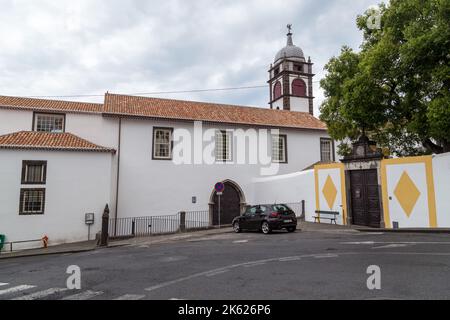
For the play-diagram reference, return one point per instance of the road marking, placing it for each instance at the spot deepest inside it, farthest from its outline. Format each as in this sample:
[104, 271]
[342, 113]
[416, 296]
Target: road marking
[84, 295]
[201, 274]
[398, 245]
[131, 297]
[395, 242]
[254, 264]
[240, 241]
[289, 259]
[325, 256]
[212, 274]
[41, 294]
[16, 289]
[360, 242]
[2, 284]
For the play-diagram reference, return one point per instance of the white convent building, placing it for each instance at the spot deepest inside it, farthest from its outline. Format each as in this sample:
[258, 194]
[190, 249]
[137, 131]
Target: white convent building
[61, 160]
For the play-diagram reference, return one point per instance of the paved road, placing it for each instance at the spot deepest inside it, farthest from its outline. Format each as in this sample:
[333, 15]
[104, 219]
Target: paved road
[326, 264]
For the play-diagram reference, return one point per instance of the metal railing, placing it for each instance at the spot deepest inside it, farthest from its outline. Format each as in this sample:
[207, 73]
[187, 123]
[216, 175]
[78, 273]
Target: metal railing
[298, 208]
[10, 244]
[197, 220]
[158, 225]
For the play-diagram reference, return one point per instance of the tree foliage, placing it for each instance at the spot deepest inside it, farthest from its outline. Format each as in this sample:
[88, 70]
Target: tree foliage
[396, 88]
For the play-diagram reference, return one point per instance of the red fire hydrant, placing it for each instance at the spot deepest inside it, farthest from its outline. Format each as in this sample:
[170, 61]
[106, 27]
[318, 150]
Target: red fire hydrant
[45, 241]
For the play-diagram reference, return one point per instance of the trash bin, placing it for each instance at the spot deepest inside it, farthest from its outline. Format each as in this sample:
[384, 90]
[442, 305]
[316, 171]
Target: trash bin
[2, 241]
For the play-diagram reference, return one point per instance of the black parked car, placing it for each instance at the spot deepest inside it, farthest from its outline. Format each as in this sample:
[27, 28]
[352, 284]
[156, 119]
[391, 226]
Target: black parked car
[265, 218]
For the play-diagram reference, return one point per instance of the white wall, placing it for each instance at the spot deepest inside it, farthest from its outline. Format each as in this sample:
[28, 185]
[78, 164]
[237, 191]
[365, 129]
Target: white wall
[441, 173]
[90, 126]
[15, 120]
[289, 188]
[77, 183]
[157, 187]
[299, 104]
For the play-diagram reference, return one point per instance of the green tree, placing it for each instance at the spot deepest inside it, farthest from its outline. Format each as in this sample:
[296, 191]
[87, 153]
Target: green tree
[396, 89]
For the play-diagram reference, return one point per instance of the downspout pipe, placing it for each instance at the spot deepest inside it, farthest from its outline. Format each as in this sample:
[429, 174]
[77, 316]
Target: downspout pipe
[116, 214]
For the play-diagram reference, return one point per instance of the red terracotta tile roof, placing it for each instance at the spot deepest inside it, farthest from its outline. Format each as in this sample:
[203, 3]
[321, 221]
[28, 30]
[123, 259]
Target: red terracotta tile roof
[49, 105]
[48, 141]
[218, 113]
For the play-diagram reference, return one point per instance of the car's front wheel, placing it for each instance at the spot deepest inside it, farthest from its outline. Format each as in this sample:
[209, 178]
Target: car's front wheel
[237, 227]
[291, 229]
[266, 228]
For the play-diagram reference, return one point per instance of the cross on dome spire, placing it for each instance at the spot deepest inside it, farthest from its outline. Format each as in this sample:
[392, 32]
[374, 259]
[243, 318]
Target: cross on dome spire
[289, 35]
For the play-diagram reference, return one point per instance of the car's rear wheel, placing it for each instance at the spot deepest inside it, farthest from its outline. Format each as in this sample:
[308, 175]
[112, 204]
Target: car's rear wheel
[291, 229]
[237, 227]
[265, 228]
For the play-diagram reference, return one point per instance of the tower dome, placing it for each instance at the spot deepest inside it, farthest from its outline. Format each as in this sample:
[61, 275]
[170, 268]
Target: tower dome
[291, 79]
[290, 51]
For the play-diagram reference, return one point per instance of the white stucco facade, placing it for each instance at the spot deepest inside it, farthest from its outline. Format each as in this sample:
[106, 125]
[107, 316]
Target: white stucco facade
[441, 174]
[155, 187]
[147, 187]
[77, 183]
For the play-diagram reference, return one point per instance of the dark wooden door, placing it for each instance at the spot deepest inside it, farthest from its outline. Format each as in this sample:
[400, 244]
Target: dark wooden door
[365, 198]
[230, 206]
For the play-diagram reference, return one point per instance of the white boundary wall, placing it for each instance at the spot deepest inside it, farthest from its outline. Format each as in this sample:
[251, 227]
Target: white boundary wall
[289, 188]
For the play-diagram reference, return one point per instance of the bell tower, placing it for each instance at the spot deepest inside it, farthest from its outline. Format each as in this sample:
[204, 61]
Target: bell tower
[291, 79]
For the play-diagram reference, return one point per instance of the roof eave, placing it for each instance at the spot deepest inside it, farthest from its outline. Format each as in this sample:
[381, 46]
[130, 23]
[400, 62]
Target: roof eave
[137, 116]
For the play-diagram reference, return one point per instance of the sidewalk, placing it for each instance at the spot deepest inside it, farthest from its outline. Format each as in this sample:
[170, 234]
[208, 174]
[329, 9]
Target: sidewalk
[92, 245]
[63, 248]
[169, 238]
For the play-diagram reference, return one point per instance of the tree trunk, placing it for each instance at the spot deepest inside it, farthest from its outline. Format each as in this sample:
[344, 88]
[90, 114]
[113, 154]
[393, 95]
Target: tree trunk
[446, 146]
[431, 146]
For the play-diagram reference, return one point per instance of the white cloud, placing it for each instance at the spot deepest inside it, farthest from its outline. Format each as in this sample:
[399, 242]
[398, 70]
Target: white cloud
[66, 47]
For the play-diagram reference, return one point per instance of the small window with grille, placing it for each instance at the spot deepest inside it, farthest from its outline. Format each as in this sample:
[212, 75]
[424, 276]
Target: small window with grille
[326, 150]
[48, 122]
[279, 148]
[162, 143]
[223, 146]
[34, 172]
[32, 201]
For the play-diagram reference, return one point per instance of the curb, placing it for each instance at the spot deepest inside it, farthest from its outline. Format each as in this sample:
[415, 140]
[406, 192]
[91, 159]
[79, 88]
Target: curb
[35, 254]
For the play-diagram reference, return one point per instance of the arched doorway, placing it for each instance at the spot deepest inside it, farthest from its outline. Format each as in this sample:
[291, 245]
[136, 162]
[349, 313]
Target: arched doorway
[232, 203]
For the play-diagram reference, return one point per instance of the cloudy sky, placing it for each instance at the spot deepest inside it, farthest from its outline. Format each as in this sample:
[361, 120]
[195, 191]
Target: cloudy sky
[66, 47]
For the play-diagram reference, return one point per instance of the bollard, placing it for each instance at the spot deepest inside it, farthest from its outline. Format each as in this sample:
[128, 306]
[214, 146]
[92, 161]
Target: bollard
[303, 210]
[105, 225]
[183, 221]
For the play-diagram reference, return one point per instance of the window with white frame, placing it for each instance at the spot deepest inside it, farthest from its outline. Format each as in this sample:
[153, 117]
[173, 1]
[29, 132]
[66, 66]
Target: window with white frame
[279, 148]
[34, 172]
[162, 143]
[32, 201]
[47, 122]
[326, 150]
[223, 145]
